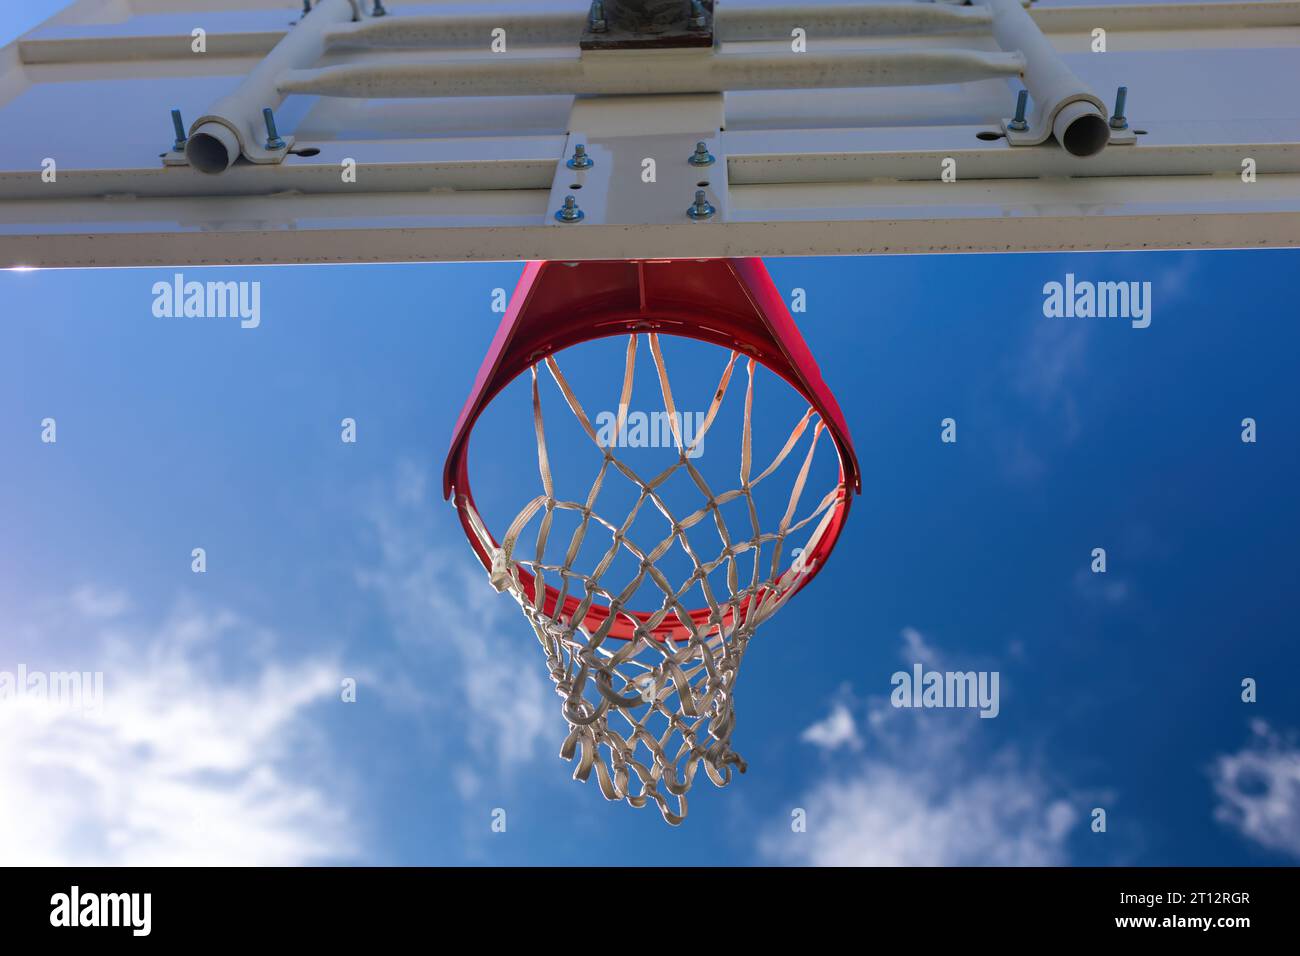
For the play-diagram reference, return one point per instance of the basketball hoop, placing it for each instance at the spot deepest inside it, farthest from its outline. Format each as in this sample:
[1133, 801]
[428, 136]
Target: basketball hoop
[669, 673]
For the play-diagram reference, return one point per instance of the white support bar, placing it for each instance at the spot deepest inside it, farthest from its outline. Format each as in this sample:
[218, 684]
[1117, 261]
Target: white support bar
[650, 72]
[742, 23]
[97, 43]
[824, 20]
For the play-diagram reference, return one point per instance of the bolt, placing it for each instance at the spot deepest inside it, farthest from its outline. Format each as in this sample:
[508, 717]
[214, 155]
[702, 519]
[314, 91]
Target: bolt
[179, 127]
[1118, 120]
[306, 7]
[273, 140]
[378, 9]
[701, 156]
[580, 159]
[596, 18]
[701, 208]
[1018, 124]
[569, 212]
[698, 18]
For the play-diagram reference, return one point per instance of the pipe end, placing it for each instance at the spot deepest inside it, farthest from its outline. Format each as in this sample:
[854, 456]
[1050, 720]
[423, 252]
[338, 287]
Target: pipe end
[212, 149]
[1081, 130]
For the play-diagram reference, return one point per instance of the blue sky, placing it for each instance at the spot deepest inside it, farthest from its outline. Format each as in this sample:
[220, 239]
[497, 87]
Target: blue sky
[223, 738]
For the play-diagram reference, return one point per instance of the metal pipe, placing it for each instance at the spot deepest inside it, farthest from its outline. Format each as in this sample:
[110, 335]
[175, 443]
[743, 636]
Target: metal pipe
[1063, 103]
[232, 126]
[836, 20]
[634, 72]
[466, 30]
[766, 23]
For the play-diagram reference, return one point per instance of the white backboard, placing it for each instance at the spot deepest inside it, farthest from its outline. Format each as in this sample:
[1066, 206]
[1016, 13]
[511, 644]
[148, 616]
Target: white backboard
[441, 131]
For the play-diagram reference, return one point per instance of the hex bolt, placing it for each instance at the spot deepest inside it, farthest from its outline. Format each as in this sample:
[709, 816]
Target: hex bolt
[596, 18]
[701, 208]
[1018, 125]
[378, 9]
[1119, 120]
[569, 212]
[580, 159]
[273, 140]
[698, 18]
[701, 156]
[179, 127]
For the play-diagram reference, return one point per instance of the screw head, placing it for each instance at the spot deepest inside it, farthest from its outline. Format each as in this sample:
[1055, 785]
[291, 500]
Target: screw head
[702, 156]
[569, 212]
[701, 208]
[580, 159]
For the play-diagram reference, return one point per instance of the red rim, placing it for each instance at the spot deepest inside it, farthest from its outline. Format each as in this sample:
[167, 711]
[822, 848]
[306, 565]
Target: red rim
[731, 303]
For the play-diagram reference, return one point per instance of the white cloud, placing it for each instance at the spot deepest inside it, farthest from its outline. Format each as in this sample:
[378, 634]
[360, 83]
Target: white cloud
[916, 650]
[1053, 358]
[1259, 790]
[182, 767]
[926, 791]
[93, 602]
[492, 682]
[837, 730]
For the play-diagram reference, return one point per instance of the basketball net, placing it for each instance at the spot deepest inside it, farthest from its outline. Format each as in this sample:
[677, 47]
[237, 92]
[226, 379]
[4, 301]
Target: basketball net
[647, 712]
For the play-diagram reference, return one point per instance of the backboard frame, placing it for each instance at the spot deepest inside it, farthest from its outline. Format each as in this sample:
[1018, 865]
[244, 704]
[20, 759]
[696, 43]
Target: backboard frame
[800, 170]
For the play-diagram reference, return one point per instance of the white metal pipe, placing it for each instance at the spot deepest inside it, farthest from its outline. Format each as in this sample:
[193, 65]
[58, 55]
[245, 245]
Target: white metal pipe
[636, 72]
[464, 30]
[1052, 85]
[837, 20]
[233, 125]
[763, 23]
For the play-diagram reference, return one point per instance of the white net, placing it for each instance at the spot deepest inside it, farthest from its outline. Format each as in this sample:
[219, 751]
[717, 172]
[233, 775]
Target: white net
[647, 711]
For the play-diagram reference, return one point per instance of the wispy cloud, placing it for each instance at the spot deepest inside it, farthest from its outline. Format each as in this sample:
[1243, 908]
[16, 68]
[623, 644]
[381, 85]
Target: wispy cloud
[916, 649]
[99, 603]
[183, 765]
[926, 790]
[491, 683]
[836, 731]
[1259, 790]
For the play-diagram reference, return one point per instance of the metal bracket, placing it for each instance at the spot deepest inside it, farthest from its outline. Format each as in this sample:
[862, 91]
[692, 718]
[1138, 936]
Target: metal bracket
[648, 25]
[1040, 122]
[612, 190]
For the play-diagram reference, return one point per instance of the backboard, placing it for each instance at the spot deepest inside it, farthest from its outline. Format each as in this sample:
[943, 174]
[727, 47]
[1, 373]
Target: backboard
[444, 131]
